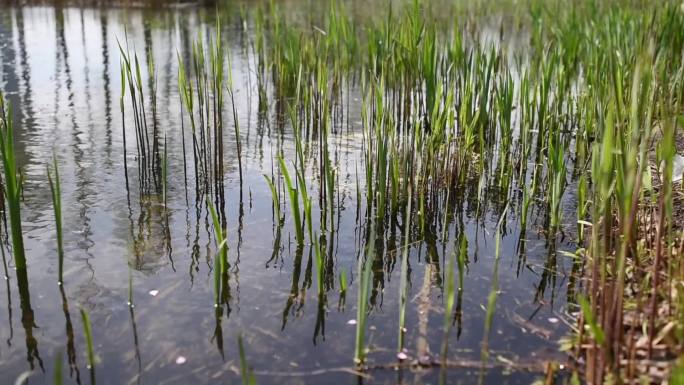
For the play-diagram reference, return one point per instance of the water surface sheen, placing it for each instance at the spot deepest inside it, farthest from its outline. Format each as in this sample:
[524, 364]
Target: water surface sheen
[61, 72]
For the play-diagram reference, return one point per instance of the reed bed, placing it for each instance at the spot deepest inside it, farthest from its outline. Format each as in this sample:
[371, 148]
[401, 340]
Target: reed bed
[462, 121]
[450, 122]
[568, 135]
[11, 183]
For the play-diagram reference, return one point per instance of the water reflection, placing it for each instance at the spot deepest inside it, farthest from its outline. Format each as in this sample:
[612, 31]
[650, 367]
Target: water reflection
[9, 296]
[28, 320]
[71, 350]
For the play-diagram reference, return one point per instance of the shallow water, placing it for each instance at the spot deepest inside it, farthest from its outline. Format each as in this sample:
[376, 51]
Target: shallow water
[61, 72]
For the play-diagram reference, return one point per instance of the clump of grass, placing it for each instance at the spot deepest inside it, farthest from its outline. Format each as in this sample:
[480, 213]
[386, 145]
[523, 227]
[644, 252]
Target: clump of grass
[148, 164]
[365, 264]
[294, 202]
[557, 181]
[12, 183]
[221, 261]
[201, 88]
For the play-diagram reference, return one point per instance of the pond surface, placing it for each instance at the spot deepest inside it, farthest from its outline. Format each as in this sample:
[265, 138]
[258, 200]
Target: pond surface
[61, 73]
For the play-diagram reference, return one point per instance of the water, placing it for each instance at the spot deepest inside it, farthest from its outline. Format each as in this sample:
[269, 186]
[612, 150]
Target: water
[61, 72]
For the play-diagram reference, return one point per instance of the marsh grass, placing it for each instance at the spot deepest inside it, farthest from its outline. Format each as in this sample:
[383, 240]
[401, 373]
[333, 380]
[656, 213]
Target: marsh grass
[275, 198]
[88, 334]
[201, 86]
[294, 202]
[246, 373]
[148, 164]
[319, 266]
[55, 189]
[365, 267]
[508, 127]
[343, 289]
[403, 280]
[221, 260]
[450, 124]
[12, 182]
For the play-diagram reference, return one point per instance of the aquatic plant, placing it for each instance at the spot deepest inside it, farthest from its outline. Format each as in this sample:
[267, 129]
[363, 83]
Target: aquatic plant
[246, 373]
[454, 126]
[202, 100]
[148, 164]
[88, 334]
[364, 268]
[320, 268]
[53, 179]
[221, 260]
[403, 280]
[294, 202]
[12, 187]
[275, 199]
[165, 174]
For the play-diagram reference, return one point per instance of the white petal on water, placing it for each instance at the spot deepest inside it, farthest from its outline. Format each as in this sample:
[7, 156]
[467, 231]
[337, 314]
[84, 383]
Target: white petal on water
[180, 360]
[154, 292]
[351, 322]
[23, 378]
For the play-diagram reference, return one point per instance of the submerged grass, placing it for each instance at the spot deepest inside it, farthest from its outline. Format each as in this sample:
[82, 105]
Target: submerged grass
[294, 202]
[246, 372]
[88, 333]
[365, 267]
[221, 260]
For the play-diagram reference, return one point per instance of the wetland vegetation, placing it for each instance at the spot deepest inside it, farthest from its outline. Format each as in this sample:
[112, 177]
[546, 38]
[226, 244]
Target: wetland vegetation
[400, 191]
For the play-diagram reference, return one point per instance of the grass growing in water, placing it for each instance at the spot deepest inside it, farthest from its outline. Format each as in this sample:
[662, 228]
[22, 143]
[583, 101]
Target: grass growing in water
[294, 202]
[246, 372]
[403, 280]
[12, 183]
[365, 267]
[221, 260]
[88, 333]
[53, 178]
[439, 113]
